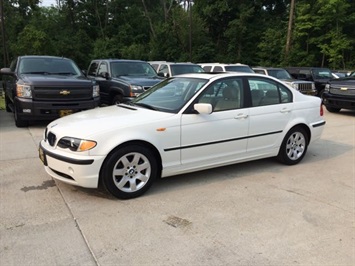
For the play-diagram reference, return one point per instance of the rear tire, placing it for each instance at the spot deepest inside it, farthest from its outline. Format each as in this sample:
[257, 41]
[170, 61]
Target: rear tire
[294, 146]
[333, 109]
[129, 171]
[7, 104]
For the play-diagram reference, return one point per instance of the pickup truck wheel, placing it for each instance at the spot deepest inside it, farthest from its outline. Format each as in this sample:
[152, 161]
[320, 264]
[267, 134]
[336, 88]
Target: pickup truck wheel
[7, 103]
[18, 121]
[117, 99]
[129, 171]
[294, 146]
[333, 109]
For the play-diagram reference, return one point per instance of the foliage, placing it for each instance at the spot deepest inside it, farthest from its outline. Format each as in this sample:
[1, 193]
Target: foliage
[246, 31]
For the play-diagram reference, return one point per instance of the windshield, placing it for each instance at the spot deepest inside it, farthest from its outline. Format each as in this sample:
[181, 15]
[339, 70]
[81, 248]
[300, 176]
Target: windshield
[322, 73]
[239, 69]
[132, 69]
[279, 73]
[170, 95]
[49, 66]
[183, 69]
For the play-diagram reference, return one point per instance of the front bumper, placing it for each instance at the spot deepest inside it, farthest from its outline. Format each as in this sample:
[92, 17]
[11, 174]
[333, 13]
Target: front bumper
[78, 170]
[335, 101]
[28, 109]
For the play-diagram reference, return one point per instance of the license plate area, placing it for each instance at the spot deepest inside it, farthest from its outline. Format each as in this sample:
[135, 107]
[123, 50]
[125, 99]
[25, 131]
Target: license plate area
[65, 112]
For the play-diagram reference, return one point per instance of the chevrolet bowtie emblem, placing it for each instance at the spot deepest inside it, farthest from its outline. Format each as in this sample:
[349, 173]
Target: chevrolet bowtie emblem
[64, 92]
[343, 89]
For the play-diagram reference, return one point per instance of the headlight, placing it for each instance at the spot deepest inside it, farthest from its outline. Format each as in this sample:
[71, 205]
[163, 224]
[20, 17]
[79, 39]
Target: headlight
[95, 91]
[75, 144]
[295, 86]
[136, 90]
[23, 91]
[313, 86]
[327, 87]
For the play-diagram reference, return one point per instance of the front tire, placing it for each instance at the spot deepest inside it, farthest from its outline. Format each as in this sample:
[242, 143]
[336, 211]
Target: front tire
[294, 146]
[117, 99]
[129, 171]
[19, 122]
[332, 109]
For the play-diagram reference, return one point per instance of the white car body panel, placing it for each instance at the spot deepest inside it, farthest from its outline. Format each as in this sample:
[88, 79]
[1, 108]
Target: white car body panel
[185, 142]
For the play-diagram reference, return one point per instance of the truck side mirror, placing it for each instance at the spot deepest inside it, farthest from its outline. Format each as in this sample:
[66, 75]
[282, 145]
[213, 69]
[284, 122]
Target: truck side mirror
[105, 75]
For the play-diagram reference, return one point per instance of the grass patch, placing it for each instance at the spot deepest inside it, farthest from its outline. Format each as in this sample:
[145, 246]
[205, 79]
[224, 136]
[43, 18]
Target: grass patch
[2, 100]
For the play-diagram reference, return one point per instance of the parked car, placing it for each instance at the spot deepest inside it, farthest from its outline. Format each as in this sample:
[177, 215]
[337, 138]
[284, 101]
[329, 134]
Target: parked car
[305, 87]
[340, 94]
[169, 69]
[320, 76]
[218, 67]
[185, 123]
[45, 88]
[121, 80]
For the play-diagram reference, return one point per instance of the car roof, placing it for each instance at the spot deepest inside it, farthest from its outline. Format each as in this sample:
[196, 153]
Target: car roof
[120, 60]
[43, 56]
[223, 64]
[216, 75]
[269, 68]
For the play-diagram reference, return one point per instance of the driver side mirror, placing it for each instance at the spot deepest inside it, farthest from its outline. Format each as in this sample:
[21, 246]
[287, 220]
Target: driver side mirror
[104, 75]
[203, 108]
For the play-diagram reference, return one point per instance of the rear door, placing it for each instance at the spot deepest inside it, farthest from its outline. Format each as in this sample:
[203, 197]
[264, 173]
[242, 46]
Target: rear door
[269, 115]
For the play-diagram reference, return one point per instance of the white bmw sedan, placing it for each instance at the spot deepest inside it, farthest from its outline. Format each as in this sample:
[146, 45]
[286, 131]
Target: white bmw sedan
[185, 123]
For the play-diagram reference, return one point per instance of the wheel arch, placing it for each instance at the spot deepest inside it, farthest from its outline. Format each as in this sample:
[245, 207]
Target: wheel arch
[135, 142]
[306, 128]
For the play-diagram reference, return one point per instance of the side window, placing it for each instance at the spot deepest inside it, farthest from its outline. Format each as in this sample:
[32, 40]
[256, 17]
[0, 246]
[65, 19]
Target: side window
[92, 69]
[164, 69]
[218, 69]
[224, 95]
[13, 65]
[207, 68]
[267, 92]
[102, 68]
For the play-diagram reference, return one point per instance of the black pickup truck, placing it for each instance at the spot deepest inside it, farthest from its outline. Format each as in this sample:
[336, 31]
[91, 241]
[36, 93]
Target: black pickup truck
[121, 80]
[45, 88]
[340, 94]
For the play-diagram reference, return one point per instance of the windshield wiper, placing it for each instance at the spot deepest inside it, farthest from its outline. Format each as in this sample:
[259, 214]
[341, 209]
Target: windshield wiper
[147, 106]
[63, 73]
[38, 72]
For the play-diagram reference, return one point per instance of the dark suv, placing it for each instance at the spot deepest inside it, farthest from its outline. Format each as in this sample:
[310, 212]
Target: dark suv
[320, 76]
[303, 86]
[121, 80]
[45, 88]
[340, 94]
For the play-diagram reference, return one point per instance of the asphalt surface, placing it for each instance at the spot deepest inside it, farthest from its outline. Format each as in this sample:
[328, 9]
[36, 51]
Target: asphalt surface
[256, 213]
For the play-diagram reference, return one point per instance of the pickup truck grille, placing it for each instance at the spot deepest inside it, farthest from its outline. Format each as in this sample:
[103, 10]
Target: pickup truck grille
[62, 93]
[338, 91]
[303, 87]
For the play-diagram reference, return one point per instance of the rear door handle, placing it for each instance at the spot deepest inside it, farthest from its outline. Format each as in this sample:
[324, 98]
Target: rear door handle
[285, 110]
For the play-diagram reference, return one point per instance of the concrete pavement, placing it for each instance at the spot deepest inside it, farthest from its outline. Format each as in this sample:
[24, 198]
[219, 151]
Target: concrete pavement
[257, 213]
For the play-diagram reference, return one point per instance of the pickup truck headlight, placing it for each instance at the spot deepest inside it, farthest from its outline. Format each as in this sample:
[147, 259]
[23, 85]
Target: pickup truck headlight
[327, 87]
[75, 144]
[295, 86]
[136, 90]
[23, 91]
[95, 91]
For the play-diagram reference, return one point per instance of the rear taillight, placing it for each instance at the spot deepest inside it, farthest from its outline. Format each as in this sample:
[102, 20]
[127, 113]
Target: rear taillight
[321, 111]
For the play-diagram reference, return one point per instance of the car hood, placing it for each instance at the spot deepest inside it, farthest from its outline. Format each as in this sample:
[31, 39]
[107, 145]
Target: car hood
[141, 80]
[350, 81]
[105, 119]
[41, 80]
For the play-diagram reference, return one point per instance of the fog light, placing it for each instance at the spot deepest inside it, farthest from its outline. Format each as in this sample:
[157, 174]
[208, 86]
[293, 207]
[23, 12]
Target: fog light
[26, 110]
